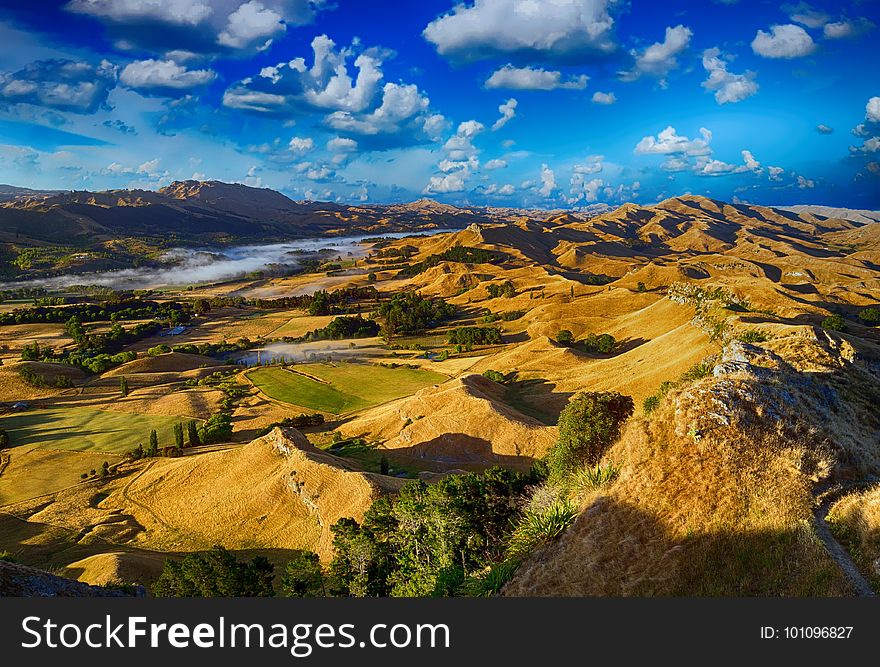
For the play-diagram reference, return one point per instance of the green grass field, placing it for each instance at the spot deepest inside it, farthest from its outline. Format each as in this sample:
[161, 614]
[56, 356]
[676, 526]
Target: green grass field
[86, 430]
[350, 386]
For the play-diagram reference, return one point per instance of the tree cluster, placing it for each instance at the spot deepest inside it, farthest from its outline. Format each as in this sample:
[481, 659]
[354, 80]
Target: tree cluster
[469, 336]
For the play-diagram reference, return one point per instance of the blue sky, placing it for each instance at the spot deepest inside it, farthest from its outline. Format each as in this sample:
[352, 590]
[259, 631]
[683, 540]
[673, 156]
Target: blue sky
[538, 103]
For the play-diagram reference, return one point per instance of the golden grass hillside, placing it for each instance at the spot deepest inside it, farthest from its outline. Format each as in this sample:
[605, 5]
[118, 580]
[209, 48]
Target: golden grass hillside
[463, 423]
[716, 489]
[275, 494]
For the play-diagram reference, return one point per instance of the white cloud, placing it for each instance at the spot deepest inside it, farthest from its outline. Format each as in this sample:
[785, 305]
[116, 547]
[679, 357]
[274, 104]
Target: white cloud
[848, 29]
[508, 111]
[174, 12]
[460, 161]
[751, 163]
[783, 41]
[871, 145]
[604, 98]
[149, 167]
[668, 142]
[806, 15]
[872, 110]
[301, 145]
[549, 28]
[400, 103]
[592, 165]
[728, 87]
[250, 24]
[805, 183]
[822, 128]
[719, 168]
[775, 173]
[163, 75]
[395, 114]
[496, 164]
[338, 91]
[533, 78]
[548, 181]
[506, 189]
[342, 145]
[65, 85]
[253, 100]
[661, 57]
[861, 130]
[452, 182]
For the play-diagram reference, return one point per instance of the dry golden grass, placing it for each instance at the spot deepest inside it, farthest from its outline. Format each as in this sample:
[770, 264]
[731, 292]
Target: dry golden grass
[855, 521]
[172, 362]
[715, 495]
[463, 423]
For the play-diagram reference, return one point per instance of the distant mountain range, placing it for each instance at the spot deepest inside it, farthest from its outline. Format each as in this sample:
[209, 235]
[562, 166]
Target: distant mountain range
[212, 211]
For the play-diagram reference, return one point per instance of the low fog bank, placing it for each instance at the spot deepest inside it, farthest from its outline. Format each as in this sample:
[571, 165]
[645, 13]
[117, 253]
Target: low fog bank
[185, 266]
[303, 352]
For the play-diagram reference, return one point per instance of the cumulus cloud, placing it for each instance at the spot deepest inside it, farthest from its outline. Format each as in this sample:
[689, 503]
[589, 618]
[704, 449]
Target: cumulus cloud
[871, 145]
[460, 162]
[252, 23]
[661, 57]
[848, 29]
[342, 145]
[357, 104]
[400, 105]
[301, 145]
[65, 85]
[533, 78]
[783, 41]
[550, 29]
[497, 163]
[805, 183]
[163, 76]
[548, 181]
[592, 165]
[718, 168]
[508, 111]
[149, 167]
[821, 128]
[807, 15]
[728, 87]
[751, 163]
[668, 142]
[775, 173]
[199, 26]
[172, 12]
[505, 190]
[604, 98]
[872, 110]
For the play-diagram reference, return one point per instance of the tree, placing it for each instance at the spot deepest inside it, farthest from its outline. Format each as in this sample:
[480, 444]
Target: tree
[384, 466]
[193, 434]
[4, 439]
[834, 323]
[371, 277]
[153, 448]
[640, 287]
[588, 426]
[178, 436]
[320, 304]
[215, 573]
[601, 344]
[303, 576]
[565, 337]
[123, 386]
[218, 428]
[105, 469]
[870, 316]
